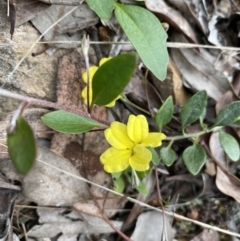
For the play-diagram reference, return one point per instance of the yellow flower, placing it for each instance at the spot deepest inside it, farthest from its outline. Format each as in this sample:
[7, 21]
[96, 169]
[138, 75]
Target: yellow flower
[129, 144]
[92, 71]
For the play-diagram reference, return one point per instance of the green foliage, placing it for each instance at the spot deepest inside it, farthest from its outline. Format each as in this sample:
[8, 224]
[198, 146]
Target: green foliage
[116, 175]
[111, 78]
[103, 8]
[135, 180]
[144, 174]
[202, 116]
[142, 188]
[228, 114]
[230, 146]
[119, 185]
[147, 36]
[21, 146]
[167, 155]
[155, 157]
[165, 113]
[194, 158]
[194, 108]
[67, 122]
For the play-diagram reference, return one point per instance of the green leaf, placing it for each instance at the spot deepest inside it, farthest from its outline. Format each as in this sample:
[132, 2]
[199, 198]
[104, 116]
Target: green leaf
[165, 113]
[67, 122]
[119, 185]
[230, 146]
[116, 175]
[194, 158]
[147, 36]
[194, 108]
[155, 157]
[143, 174]
[167, 155]
[202, 116]
[135, 181]
[142, 188]
[111, 78]
[103, 8]
[228, 114]
[21, 146]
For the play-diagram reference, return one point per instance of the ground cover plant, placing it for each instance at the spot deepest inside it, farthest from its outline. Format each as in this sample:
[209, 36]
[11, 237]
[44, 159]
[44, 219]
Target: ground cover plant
[169, 138]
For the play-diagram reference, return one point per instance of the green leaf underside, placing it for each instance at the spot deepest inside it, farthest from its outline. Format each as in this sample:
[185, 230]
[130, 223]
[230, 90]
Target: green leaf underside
[229, 145]
[111, 78]
[21, 146]
[103, 8]
[116, 175]
[228, 114]
[119, 185]
[194, 158]
[147, 35]
[202, 116]
[167, 155]
[165, 113]
[155, 157]
[194, 108]
[67, 122]
[142, 188]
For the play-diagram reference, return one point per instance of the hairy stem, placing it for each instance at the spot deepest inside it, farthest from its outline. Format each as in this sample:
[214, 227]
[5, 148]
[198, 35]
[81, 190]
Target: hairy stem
[50, 104]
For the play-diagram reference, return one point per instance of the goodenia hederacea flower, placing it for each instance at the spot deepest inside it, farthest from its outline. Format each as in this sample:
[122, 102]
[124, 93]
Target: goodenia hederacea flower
[129, 145]
[92, 71]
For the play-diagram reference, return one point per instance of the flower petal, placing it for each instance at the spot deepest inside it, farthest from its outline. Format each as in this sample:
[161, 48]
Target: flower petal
[153, 139]
[103, 61]
[137, 128]
[117, 136]
[84, 95]
[139, 161]
[111, 104]
[115, 160]
[92, 71]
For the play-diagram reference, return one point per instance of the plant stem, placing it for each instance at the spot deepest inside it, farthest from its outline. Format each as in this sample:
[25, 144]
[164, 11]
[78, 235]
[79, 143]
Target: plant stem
[161, 205]
[12, 126]
[49, 104]
[174, 138]
[126, 100]
[85, 47]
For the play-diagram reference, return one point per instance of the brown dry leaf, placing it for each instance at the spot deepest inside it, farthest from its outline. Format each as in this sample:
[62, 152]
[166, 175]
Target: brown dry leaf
[172, 85]
[172, 16]
[88, 208]
[151, 226]
[26, 10]
[142, 94]
[199, 73]
[236, 84]
[68, 225]
[226, 182]
[204, 183]
[227, 98]
[46, 185]
[207, 235]
[199, 13]
[210, 168]
[66, 29]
